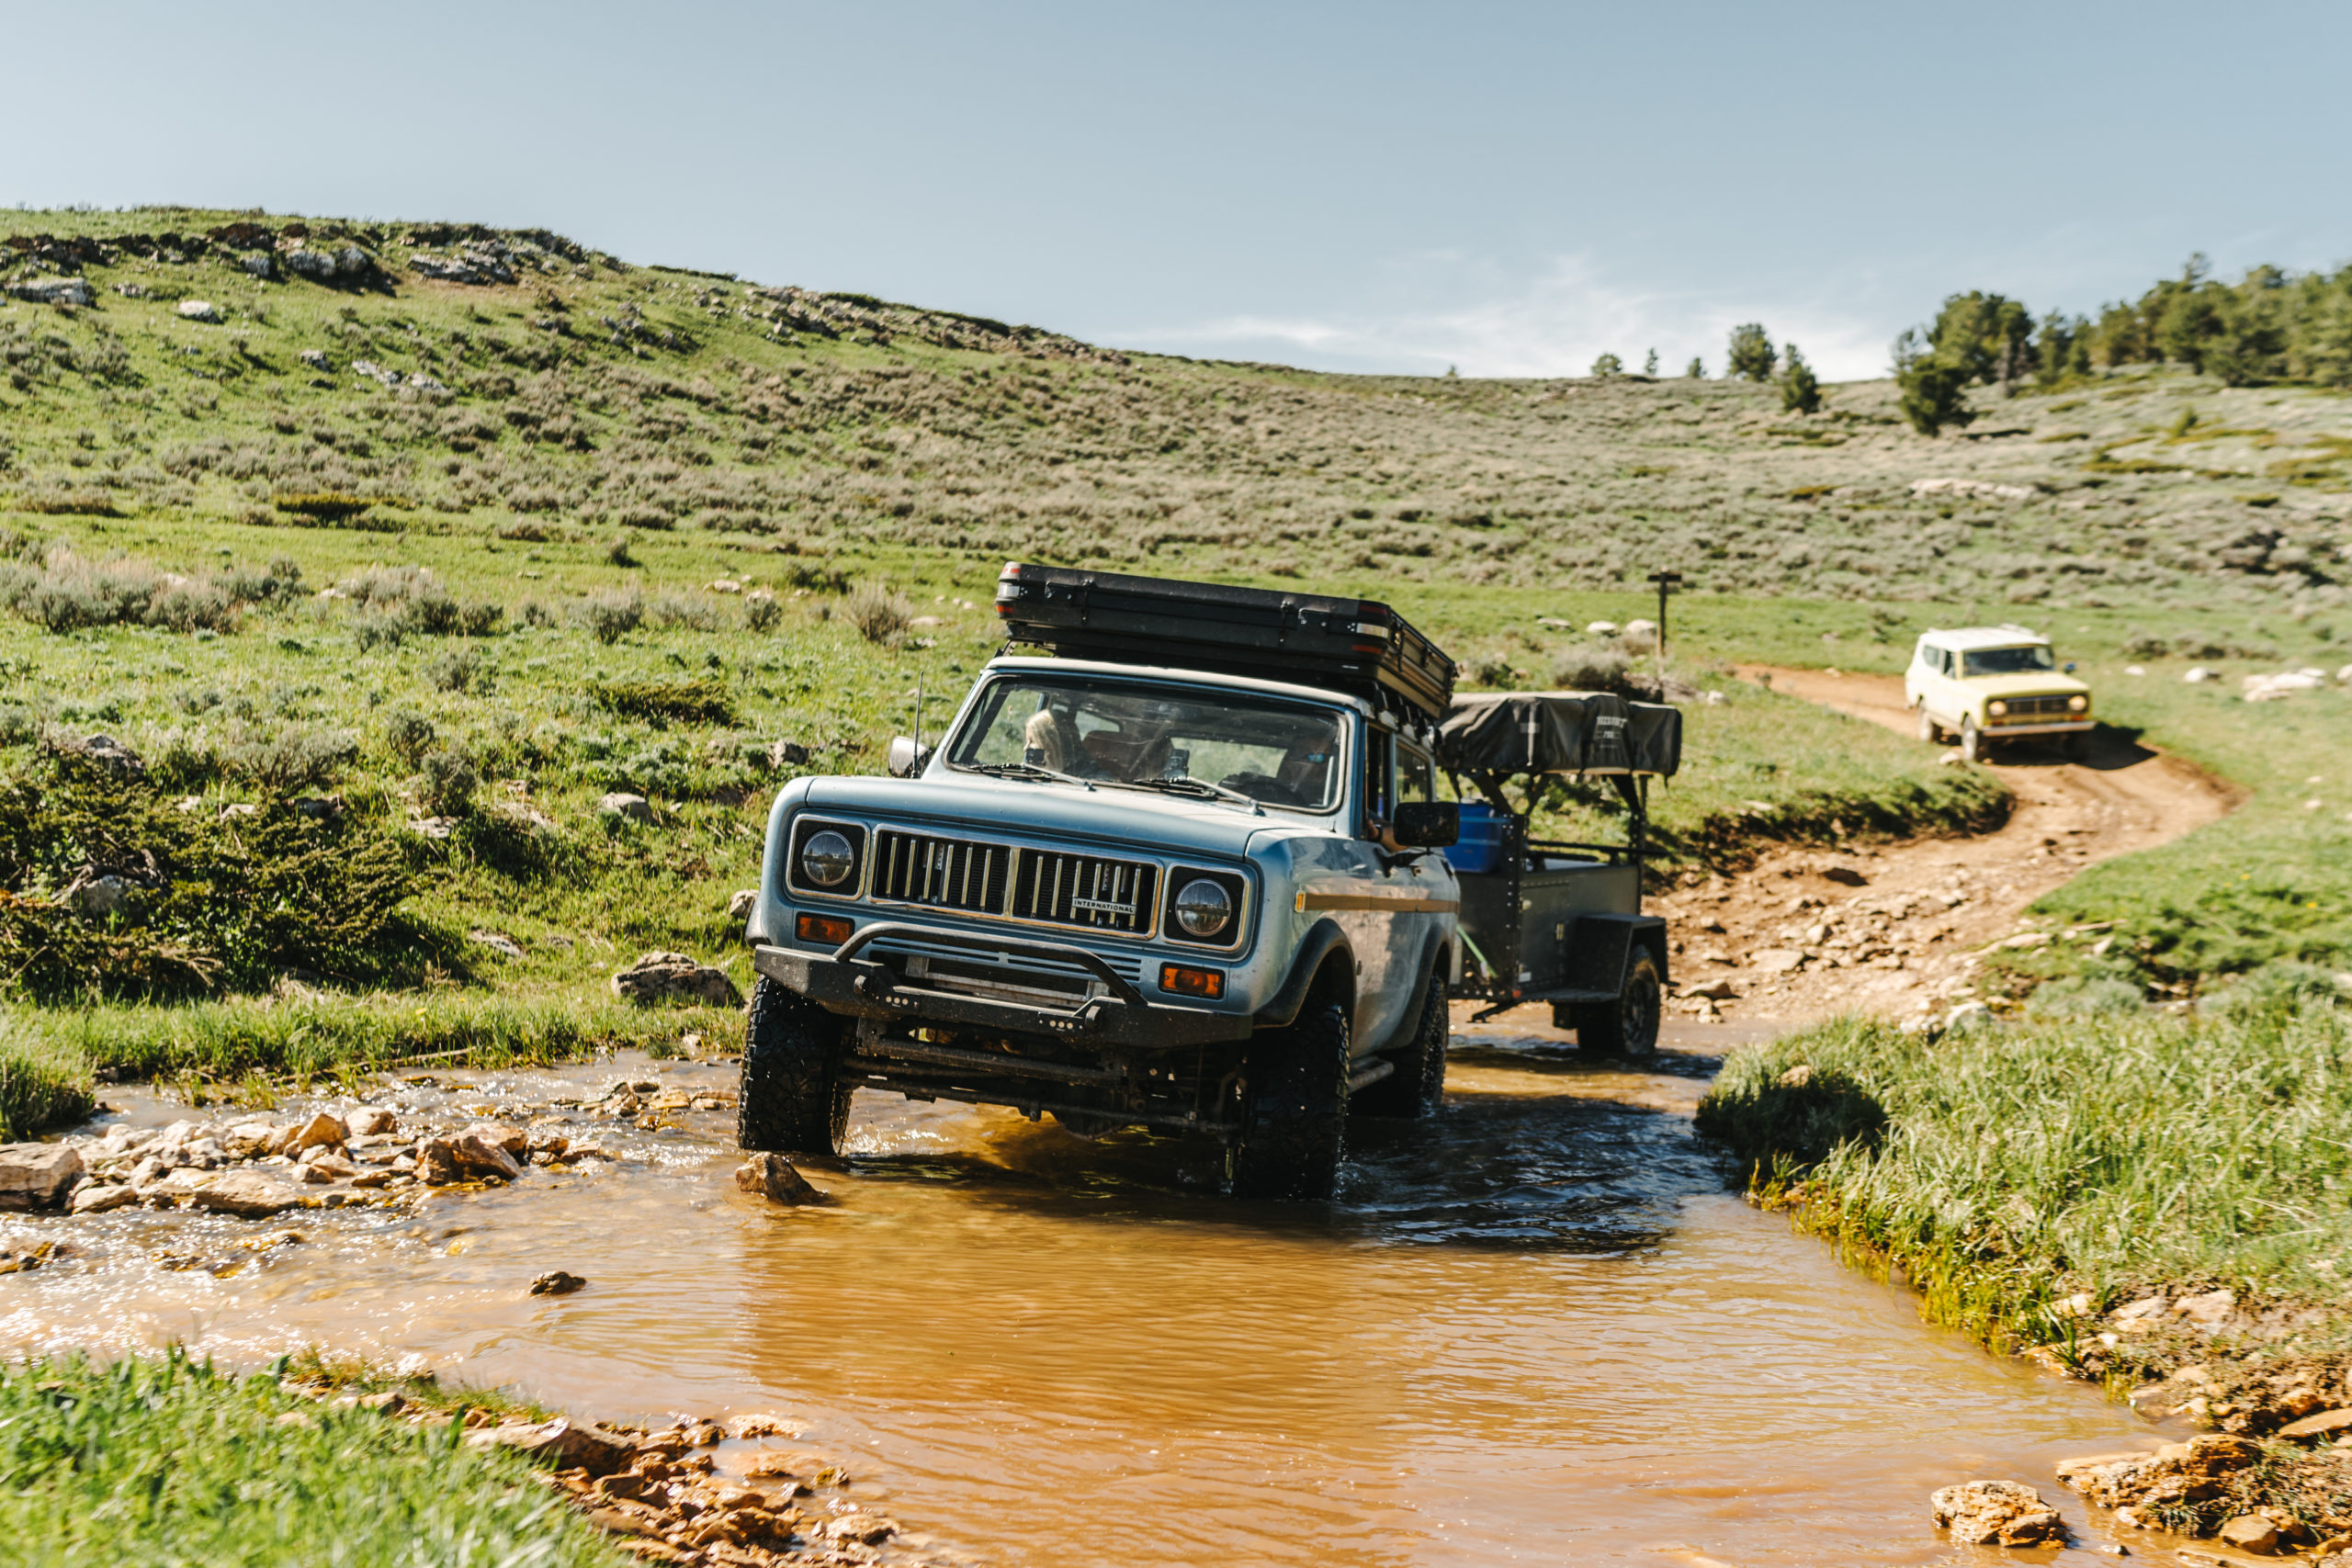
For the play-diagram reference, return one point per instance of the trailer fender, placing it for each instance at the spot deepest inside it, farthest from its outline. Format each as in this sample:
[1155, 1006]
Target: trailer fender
[1323, 939]
[1603, 949]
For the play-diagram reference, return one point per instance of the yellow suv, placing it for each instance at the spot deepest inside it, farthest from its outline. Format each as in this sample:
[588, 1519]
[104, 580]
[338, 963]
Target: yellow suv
[1989, 683]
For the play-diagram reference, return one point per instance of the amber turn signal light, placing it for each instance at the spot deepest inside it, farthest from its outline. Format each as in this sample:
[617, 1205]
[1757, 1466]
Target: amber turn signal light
[1184, 982]
[832, 929]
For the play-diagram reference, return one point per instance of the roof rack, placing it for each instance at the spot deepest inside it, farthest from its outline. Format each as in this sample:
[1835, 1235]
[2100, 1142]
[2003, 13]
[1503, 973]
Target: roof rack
[1356, 646]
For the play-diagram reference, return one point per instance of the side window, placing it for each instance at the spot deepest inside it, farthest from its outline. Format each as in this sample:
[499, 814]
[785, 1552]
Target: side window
[1947, 661]
[1416, 774]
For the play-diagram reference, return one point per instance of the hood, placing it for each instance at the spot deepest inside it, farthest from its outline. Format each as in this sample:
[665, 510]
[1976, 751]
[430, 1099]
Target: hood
[1119, 818]
[2034, 683]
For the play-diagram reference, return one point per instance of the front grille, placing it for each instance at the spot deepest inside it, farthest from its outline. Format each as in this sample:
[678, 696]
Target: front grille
[946, 874]
[2032, 710]
[1088, 891]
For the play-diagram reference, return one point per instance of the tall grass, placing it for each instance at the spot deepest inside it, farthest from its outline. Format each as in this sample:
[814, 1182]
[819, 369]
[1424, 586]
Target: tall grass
[44, 1081]
[2004, 1169]
[239, 1036]
[163, 1460]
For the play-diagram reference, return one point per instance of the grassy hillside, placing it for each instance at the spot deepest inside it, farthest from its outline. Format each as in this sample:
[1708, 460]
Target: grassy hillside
[388, 577]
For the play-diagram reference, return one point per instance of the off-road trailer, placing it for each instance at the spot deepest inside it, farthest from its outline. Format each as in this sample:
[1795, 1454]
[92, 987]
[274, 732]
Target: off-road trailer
[1549, 921]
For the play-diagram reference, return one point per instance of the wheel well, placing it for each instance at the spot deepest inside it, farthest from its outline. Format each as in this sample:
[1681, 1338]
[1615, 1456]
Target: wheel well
[1336, 980]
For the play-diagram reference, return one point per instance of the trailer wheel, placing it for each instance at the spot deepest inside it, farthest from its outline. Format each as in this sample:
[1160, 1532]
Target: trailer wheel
[1417, 1085]
[1628, 1026]
[1295, 1107]
[793, 1099]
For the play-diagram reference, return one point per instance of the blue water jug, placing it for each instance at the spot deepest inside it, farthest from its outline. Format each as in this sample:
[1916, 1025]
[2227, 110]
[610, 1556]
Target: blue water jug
[1479, 850]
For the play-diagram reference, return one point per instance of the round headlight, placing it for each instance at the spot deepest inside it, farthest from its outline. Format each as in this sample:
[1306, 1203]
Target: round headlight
[1204, 907]
[827, 858]
[1996, 709]
[2079, 703]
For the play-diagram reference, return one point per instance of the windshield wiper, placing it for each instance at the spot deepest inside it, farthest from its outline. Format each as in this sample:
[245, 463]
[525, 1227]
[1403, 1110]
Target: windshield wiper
[1021, 771]
[1201, 787]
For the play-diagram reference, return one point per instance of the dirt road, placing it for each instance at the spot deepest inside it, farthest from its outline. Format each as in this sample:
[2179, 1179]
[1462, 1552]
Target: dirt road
[1896, 928]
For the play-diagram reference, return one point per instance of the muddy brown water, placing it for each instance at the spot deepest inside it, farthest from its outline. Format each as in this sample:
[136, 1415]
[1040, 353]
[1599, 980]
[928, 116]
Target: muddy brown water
[1538, 1329]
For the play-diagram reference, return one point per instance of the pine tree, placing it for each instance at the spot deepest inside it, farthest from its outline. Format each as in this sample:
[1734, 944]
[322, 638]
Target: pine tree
[1934, 390]
[1608, 365]
[1649, 365]
[1799, 388]
[1696, 370]
[1752, 355]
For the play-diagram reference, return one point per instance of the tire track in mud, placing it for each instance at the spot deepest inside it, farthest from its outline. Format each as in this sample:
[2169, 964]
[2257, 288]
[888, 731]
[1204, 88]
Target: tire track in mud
[1797, 937]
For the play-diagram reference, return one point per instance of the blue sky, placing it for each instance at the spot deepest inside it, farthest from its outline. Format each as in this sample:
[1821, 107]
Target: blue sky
[1510, 188]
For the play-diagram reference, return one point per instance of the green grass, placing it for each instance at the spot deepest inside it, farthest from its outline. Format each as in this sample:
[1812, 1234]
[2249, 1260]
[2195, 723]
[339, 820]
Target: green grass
[45, 1081]
[163, 1460]
[2004, 1170]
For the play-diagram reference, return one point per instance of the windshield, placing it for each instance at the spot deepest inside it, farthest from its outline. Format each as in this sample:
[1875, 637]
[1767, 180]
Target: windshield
[2007, 660]
[1177, 738]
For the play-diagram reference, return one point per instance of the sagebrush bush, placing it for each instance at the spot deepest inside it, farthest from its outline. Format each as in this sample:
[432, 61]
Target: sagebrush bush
[761, 612]
[446, 781]
[704, 700]
[408, 736]
[610, 616]
[879, 613]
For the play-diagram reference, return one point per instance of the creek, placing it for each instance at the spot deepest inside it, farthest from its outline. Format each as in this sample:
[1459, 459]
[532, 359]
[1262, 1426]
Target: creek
[1536, 1329]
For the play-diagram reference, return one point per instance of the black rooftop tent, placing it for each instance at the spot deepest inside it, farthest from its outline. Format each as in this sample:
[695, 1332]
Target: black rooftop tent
[1506, 733]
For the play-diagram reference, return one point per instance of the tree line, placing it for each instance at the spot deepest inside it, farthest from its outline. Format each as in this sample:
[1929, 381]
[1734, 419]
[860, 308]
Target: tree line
[2270, 327]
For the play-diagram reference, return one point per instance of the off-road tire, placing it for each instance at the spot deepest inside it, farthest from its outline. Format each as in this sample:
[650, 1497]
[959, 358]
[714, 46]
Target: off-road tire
[1417, 1085]
[793, 1099]
[1628, 1026]
[1295, 1107]
[1973, 744]
[1930, 730]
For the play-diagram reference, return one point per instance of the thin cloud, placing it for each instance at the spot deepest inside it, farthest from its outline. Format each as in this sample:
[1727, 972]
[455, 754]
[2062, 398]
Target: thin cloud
[1556, 325]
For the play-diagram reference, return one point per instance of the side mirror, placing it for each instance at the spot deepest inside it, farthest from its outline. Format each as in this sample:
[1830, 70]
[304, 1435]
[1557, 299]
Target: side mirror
[1428, 824]
[906, 757]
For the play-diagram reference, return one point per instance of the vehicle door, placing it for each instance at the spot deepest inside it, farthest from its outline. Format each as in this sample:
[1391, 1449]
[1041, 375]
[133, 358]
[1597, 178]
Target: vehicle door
[1422, 882]
[1377, 926]
[1939, 691]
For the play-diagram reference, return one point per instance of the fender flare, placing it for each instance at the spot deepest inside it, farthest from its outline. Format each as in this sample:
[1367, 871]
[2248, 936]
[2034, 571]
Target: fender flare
[1323, 939]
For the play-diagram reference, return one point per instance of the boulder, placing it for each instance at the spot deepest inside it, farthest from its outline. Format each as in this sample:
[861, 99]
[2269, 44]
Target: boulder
[107, 754]
[743, 901]
[2324, 1427]
[556, 1282]
[499, 942]
[52, 290]
[366, 1120]
[316, 358]
[37, 1176]
[98, 897]
[621, 803]
[1776, 960]
[674, 977]
[786, 753]
[1713, 991]
[436, 1162]
[469, 1155]
[1844, 876]
[2175, 1473]
[772, 1177]
[348, 264]
[199, 310]
[2251, 1532]
[98, 1197]
[2002, 1513]
[590, 1448]
[246, 1193]
[320, 1130]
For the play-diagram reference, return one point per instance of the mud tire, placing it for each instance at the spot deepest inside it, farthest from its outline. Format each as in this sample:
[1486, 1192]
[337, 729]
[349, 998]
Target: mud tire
[793, 1099]
[1930, 730]
[1417, 1085]
[1295, 1107]
[1973, 744]
[1628, 1026]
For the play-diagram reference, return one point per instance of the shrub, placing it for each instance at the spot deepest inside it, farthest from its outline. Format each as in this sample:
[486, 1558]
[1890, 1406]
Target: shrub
[610, 616]
[69, 503]
[64, 593]
[1607, 366]
[701, 701]
[617, 552]
[408, 736]
[213, 905]
[327, 506]
[1696, 370]
[1751, 354]
[459, 670]
[1933, 391]
[448, 782]
[1585, 668]
[292, 760]
[761, 612]
[671, 610]
[814, 578]
[878, 613]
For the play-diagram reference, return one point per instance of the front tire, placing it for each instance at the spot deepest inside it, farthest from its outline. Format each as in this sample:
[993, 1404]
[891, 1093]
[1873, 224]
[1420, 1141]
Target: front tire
[1417, 1085]
[1628, 1026]
[1295, 1107]
[793, 1099]
[1973, 744]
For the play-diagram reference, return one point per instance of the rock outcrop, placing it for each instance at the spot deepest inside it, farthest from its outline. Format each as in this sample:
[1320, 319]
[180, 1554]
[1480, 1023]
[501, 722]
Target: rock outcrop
[1996, 1513]
[37, 1176]
[675, 977]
